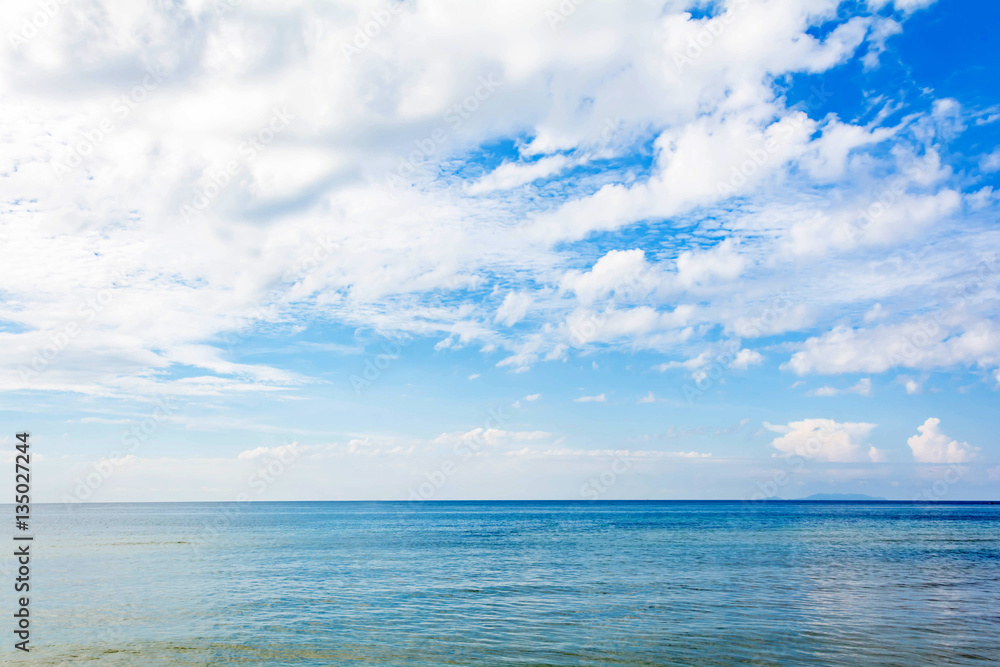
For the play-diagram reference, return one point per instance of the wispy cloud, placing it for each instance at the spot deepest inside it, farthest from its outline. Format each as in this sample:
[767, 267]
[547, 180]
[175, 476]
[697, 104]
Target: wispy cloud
[862, 388]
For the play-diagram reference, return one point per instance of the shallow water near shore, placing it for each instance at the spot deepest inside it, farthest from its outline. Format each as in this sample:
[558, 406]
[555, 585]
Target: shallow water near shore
[521, 583]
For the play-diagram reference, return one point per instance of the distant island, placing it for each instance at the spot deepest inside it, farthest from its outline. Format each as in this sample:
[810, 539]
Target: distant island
[825, 496]
[840, 496]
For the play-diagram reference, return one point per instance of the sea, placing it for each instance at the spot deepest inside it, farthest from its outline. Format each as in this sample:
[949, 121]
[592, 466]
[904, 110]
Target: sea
[511, 583]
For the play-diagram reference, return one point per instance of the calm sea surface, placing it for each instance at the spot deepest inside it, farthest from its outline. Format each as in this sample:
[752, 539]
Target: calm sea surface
[539, 583]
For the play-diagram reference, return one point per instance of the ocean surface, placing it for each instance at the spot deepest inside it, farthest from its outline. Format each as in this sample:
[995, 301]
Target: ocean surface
[512, 583]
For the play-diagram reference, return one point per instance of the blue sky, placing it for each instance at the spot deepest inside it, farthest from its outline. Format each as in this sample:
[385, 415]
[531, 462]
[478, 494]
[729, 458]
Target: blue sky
[505, 250]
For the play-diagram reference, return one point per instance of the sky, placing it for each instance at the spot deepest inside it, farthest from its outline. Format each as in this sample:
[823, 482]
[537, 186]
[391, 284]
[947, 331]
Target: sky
[500, 250]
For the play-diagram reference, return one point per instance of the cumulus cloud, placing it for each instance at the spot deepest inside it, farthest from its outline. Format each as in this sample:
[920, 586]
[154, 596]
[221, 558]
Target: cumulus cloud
[826, 440]
[600, 398]
[931, 445]
[863, 387]
[722, 262]
[619, 272]
[746, 358]
[916, 343]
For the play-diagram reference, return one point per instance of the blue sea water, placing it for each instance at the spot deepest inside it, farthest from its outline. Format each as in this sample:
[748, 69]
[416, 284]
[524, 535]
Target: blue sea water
[513, 583]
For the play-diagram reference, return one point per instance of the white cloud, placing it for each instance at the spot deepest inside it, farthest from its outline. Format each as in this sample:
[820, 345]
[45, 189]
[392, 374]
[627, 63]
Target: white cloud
[532, 397]
[512, 174]
[311, 227]
[619, 272]
[877, 455]
[289, 451]
[491, 436]
[876, 312]
[746, 358]
[513, 309]
[626, 454]
[915, 343]
[692, 364]
[868, 222]
[600, 398]
[907, 6]
[881, 31]
[862, 388]
[648, 398]
[990, 162]
[911, 385]
[721, 262]
[931, 445]
[826, 440]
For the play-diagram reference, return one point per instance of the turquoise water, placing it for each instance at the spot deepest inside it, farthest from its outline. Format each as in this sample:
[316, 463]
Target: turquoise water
[549, 583]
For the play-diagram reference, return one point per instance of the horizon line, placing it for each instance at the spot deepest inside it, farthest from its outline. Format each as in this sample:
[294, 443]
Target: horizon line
[540, 500]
